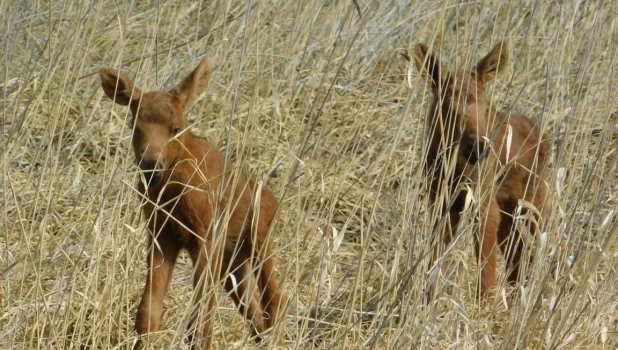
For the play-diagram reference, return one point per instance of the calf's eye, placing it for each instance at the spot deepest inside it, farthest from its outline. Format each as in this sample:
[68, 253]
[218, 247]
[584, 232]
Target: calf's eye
[470, 153]
[175, 131]
[474, 150]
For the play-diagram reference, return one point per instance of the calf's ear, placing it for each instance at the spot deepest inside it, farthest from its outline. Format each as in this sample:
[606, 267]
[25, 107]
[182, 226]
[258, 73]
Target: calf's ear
[493, 63]
[195, 83]
[119, 87]
[430, 66]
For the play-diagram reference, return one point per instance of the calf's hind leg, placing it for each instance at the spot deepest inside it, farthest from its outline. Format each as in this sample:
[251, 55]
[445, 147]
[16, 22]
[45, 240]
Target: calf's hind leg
[510, 239]
[271, 299]
[242, 287]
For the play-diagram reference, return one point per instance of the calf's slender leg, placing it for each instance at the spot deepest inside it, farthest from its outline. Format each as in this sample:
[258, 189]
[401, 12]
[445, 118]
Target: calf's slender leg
[161, 261]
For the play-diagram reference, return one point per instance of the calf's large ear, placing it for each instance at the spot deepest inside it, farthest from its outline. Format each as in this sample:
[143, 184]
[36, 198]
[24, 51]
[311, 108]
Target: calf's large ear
[430, 66]
[195, 83]
[493, 63]
[119, 87]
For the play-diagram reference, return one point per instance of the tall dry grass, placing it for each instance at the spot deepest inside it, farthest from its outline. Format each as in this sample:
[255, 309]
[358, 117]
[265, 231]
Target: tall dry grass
[313, 97]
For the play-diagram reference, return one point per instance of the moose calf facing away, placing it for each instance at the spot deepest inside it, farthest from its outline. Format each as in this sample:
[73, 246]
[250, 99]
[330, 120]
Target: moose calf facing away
[470, 142]
[222, 220]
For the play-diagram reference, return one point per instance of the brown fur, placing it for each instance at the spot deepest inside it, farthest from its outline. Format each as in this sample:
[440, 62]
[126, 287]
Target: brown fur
[466, 129]
[220, 219]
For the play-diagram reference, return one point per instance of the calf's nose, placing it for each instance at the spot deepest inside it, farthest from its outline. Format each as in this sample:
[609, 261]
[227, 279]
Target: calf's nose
[150, 165]
[151, 170]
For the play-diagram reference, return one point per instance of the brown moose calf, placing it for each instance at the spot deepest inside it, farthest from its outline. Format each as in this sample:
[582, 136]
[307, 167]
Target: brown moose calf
[502, 155]
[194, 202]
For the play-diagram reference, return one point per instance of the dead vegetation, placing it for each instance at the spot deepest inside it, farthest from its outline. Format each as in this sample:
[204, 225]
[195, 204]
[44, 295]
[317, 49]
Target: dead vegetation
[317, 101]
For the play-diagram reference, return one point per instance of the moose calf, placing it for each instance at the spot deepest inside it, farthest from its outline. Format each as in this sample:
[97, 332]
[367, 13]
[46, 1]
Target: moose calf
[503, 155]
[194, 201]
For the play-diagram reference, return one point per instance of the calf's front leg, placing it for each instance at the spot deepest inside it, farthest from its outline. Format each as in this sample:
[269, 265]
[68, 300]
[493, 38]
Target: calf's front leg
[486, 244]
[161, 260]
[206, 275]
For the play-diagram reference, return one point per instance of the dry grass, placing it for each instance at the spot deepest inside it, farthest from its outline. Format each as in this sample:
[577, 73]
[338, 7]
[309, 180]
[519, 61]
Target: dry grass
[318, 96]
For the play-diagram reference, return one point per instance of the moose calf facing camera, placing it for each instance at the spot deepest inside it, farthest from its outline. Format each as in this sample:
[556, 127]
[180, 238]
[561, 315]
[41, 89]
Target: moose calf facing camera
[502, 155]
[193, 201]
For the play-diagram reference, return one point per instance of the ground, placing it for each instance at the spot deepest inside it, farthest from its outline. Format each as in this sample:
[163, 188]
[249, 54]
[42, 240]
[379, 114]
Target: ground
[317, 100]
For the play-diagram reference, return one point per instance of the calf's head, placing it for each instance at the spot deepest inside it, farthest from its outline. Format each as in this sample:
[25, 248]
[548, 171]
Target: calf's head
[460, 102]
[158, 117]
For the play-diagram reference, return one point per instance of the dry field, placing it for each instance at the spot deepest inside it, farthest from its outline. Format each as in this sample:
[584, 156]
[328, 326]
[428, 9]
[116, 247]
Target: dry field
[314, 98]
